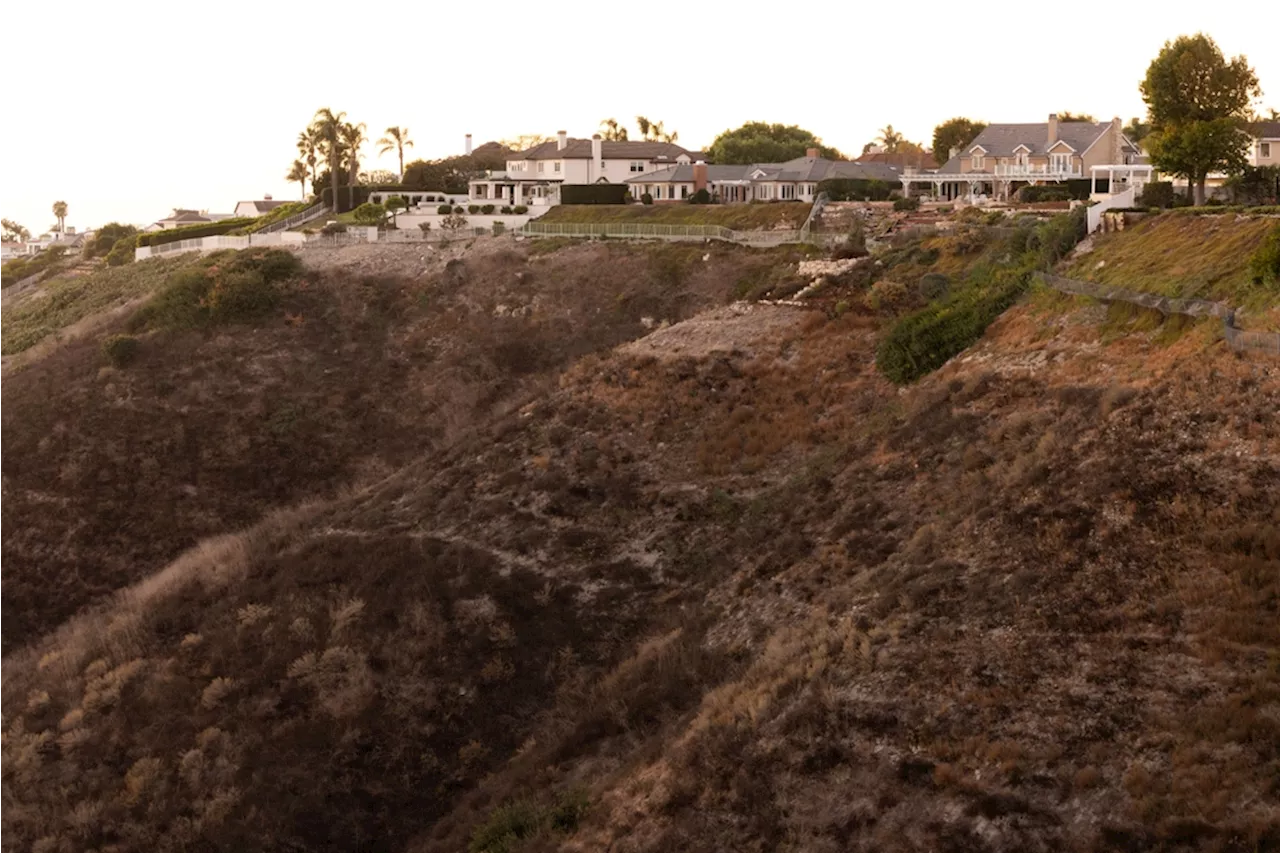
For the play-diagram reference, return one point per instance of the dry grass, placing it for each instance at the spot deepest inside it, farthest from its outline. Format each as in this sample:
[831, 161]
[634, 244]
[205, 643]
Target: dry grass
[740, 217]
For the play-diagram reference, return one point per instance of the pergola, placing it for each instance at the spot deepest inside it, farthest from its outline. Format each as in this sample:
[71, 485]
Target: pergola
[1128, 173]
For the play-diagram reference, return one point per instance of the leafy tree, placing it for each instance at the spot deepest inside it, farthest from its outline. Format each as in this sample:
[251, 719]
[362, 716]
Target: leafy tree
[612, 131]
[395, 139]
[60, 211]
[298, 172]
[653, 131]
[106, 237]
[453, 222]
[1137, 130]
[1066, 116]
[761, 142]
[394, 205]
[14, 231]
[378, 176]
[327, 126]
[524, 142]
[450, 175]
[121, 252]
[369, 214]
[954, 134]
[1198, 102]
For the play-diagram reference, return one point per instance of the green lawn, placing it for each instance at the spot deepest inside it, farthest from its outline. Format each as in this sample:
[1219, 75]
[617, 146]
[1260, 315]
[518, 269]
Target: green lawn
[740, 217]
[62, 302]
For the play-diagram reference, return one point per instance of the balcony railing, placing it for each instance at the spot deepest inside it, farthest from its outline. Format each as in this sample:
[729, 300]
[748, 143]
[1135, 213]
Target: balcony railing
[1048, 173]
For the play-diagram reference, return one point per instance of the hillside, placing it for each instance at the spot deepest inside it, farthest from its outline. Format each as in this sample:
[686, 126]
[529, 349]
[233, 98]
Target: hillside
[742, 217]
[718, 587]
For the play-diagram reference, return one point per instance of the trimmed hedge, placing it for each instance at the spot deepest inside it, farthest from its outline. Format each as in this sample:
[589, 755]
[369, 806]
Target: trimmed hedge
[1157, 194]
[190, 232]
[1044, 192]
[854, 189]
[593, 194]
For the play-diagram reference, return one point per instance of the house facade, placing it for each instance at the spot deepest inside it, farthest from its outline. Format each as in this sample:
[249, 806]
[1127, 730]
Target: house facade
[182, 217]
[257, 208]
[534, 176]
[1265, 147]
[794, 180]
[1006, 157]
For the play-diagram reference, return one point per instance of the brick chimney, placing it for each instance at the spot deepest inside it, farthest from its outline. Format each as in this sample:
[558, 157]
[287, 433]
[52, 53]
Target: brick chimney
[468, 145]
[597, 157]
[562, 139]
[1117, 131]
[811, 153]
[1053, 129]
[700, 176]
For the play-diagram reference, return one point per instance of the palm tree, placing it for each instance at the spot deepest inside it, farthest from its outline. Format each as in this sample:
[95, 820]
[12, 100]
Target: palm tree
[644, 124]
[298, 172]
[890, 139]
[327, 126]
[353, 137]
[660, 133]
[308, 146]
[613, 131]
[396, 139]
[60, 211]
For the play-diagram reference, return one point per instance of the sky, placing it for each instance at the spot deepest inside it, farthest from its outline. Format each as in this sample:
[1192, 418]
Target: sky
[129, 109]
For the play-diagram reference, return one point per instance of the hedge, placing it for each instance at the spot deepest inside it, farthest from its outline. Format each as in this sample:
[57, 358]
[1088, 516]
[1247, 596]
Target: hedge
[190, 232]
[854, 189]
[593, 194]
[1043, 192]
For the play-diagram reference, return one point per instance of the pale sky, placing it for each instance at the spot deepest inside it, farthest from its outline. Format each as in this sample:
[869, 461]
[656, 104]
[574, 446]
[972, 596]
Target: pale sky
[126, 110]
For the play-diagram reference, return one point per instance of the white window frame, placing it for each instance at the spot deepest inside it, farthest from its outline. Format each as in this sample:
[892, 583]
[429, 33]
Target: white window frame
[557, 166]
[684, 191]
[1059, 162]
[637, 166]
[541, 166]
[977, 162]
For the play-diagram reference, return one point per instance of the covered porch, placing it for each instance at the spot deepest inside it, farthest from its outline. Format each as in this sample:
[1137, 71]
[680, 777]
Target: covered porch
[955, 186]
[1120, 177]
[496, 189]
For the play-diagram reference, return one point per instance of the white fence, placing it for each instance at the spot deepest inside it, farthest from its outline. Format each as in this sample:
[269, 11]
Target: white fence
[639, 230]
[297, 238]
[1124, 199]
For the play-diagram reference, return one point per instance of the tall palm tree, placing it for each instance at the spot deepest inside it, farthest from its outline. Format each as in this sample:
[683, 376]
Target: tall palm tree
[298, 172]
[644, 124]
[613, 131]
[660, 133]
[60, 211]
[353, 138]
[309, 146]
[327, 126]
[890, 139]
[396, 139]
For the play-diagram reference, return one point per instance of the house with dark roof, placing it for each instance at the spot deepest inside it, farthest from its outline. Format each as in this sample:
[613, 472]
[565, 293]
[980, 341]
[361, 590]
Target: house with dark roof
[534, 176]
[1265, 150]
[257, 208]
[182, 217]
[794, 180]
[1005, 157]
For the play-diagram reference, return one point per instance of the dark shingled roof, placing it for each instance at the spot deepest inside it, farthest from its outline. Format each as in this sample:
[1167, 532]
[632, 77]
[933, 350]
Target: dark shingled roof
[801, 169]
[1267, 130]
[580, 149]
[1001, 140]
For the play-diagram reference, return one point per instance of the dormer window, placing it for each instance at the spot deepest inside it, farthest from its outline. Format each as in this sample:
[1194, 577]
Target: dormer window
[977, 161]
[1022, 156]
[1060, 162]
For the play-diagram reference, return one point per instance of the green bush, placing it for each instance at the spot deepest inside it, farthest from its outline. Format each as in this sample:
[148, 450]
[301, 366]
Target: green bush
[1264, 263]
[646, 198]
[229, 287]
[120, 350]
[123, 252]
[499, 228]
[106, 238]
[515, 822]
[236, 297]
[457, 209]
[855, 245]
[702, 196]
[1043, 193]
[506, 208]
[593, 193]
[191, 232]
[1157, 194]
[486, 209]
[334, 227]
[934, 285]
[473, 209]
[454, 222]
[908, 203]
[369, 214]
[444, 209]
[854, 189]
[520, 209]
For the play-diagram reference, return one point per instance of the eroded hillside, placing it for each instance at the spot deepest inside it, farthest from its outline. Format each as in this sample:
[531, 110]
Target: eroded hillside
[722, 588]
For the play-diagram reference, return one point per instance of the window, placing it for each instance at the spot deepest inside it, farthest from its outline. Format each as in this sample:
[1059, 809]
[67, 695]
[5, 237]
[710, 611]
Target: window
[604, 165]
[787, 192]
[1264, 149]
[977, 162]
[1060, 162]
[637, 166]
[762, 191]
[557, 166]
[541, 166]
[684, 191]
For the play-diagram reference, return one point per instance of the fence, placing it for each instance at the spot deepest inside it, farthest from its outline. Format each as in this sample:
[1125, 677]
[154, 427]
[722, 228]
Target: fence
[814, 212]
[315, 211]
[640, 230]
[1124, 199]
[1238, 339]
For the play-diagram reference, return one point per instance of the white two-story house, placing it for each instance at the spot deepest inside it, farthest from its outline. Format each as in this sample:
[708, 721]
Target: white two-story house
[534, 177]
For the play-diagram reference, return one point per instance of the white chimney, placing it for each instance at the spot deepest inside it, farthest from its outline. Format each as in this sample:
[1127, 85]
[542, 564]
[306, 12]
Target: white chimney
[266, 197]
[468, 145]
[596, 155]
[562, 139]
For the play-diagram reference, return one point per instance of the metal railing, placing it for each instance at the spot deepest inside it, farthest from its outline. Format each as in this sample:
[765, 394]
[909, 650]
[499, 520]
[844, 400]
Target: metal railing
[1048, 173]
[315, 211]
[1238, 339]
[639, 230]
[814, 212]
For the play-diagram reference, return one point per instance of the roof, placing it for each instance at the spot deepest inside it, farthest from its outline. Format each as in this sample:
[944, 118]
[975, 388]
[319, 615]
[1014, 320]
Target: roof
[580, 149]
[801, 169]
[186, 216]
[914, 159]
[264, 206]
[1267, 130]
[1001, 140]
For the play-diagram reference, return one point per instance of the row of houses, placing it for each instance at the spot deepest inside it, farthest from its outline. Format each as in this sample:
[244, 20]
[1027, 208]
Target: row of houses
[1001, 160]
[182, 217]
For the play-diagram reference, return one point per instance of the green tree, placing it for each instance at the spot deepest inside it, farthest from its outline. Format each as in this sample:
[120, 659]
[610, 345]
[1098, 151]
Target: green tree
[15, 232]
[60, 211]
[353, 139]
[612, 131]
[369, 214]
[1066, 116]
[395, 139]
[1198, 102]
[298, 172]
[953, 135]
[394, 205]
[761, 142]
[1137, 130]
[107, 237]
[327, 126]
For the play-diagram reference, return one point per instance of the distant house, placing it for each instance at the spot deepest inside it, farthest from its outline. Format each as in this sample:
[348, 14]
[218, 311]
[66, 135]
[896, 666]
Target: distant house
[182, 217]
[794, 180]
[257, 208]
[534, 176]
[1265, 148]
[1006, 157]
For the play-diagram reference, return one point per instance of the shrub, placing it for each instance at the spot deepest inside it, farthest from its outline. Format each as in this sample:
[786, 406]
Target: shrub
[486, 209]
[1157, 194]
[908, 203]
[702, 196]
[369, 213]
[645, 198]
[120, 350]
[473, 209]
[334, 228]
[498, 228]
[593, 193]
[457, 208]
[854, 189]
[424, 227]
[444, 209]
[232, 287]
[453, 222]
[515, 822]
[191, 232]
[239, 296]
[106, 238]
[1033, 195]
[520, 209]
[506, 208]
[855, 245]
[123, 252]
[1264, 263]
[934, 285]
[885, 294]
